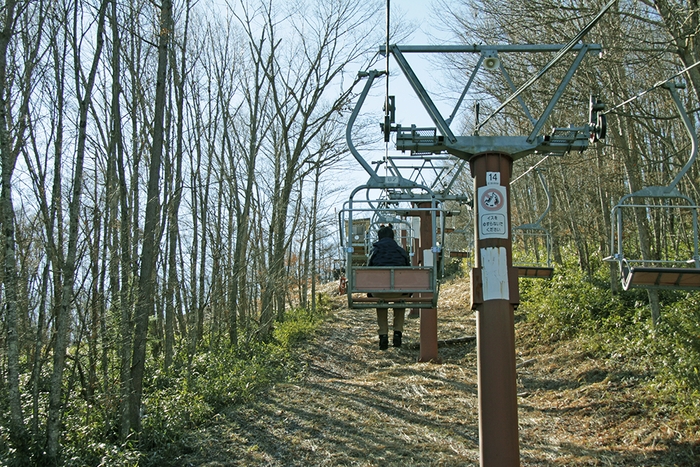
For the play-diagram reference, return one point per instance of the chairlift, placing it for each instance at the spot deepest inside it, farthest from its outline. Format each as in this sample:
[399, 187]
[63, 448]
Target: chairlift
[460, 240]
[339, 275]
[534, 260]
[680, 269]
[413, 286]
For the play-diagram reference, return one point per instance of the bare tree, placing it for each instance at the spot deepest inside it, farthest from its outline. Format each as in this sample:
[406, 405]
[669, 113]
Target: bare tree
[16, 78]
[245, 146]
[149, 252]
[64, 313]
[176, 183]
[330, 38]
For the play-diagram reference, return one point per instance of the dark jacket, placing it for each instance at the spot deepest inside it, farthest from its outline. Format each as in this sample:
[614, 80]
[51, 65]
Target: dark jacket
[386, 252]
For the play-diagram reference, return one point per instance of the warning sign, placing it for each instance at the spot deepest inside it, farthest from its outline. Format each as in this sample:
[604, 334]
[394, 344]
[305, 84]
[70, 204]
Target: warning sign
[493, 210]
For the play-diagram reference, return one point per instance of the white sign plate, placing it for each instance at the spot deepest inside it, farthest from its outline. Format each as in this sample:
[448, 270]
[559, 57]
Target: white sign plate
[493, 211]
[494, 274]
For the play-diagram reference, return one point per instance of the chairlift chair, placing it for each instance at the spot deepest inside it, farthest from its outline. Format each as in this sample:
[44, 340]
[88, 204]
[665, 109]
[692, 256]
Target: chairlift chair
[387, 286]
[459, 237]
[681, 270]
[535, 260]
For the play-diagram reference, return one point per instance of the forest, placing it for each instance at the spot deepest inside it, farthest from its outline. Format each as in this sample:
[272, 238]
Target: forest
[168, 176]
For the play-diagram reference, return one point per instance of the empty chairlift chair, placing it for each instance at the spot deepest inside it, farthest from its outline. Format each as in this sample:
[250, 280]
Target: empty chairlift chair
[677, 265]
[534, 257]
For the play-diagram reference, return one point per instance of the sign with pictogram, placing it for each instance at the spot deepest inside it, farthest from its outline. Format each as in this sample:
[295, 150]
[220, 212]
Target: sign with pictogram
[493, 210]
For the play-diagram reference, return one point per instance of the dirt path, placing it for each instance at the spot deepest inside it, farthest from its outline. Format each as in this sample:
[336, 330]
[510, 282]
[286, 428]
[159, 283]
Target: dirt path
[358, 406]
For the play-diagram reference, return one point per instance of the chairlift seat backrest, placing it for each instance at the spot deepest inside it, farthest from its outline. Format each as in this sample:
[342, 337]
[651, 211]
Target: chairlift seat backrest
[535, 272]
[661, 278]
[384, 287]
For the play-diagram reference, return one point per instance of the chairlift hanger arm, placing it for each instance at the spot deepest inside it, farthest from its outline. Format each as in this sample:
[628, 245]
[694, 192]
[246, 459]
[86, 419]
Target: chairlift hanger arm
[371, 76]
[689, 128]
[671, 191]
[420, 91]
[396, 180]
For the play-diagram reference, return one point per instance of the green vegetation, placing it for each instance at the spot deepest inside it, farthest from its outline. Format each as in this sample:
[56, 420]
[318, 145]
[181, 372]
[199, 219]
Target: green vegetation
[618, 328]
[298, 324]
[178, 401]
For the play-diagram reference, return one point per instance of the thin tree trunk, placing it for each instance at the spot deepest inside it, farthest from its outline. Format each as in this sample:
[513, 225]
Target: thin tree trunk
[64, 313]
[147, 287]
[38, 344]
[314, 228]
[9, 159]
[571, 214]
[175, 199]
[121, 271]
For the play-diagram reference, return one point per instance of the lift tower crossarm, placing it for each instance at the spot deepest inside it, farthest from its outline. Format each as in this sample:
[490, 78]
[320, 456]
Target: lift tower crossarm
[505, 48]
[444, 125]
[418, 140]
[560, 90]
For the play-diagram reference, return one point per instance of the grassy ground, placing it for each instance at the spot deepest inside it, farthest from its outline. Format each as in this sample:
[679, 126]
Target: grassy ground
[357, 406]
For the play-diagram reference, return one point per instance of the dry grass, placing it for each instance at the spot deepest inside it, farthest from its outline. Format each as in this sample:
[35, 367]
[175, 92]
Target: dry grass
[358, 406]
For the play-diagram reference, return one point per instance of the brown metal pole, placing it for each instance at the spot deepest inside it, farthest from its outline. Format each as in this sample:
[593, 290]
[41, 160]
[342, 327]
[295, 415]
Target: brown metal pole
[415, 259]
[494, 296]
[428, 316]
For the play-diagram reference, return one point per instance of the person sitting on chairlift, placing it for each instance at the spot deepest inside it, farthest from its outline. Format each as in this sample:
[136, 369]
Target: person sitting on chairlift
[386, 252]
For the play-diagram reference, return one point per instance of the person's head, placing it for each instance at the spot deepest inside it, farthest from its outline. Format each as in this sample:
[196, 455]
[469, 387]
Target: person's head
[386, 231]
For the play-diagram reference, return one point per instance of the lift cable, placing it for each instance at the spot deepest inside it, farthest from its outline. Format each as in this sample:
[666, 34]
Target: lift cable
[529, 170]
[387, 110]
[657, 85]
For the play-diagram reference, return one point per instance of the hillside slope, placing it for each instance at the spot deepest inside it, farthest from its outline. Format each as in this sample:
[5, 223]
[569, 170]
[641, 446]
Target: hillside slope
[356, 405]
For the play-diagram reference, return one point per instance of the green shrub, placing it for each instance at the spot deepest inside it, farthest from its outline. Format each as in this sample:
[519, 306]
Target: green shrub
[230, 376]
[174, 403]
[678, 339]
[569, 304]
[323, 303]
[298, 324]
[91, 438]
[168, 413]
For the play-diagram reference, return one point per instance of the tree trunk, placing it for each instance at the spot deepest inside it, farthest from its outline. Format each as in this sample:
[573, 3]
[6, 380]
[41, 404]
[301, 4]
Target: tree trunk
[175, 199]
[314, 228]
[147, 288]
[9, 159]
[62, 332]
